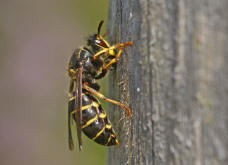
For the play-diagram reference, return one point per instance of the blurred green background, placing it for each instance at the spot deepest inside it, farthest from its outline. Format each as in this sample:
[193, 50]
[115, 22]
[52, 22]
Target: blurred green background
[37, 39]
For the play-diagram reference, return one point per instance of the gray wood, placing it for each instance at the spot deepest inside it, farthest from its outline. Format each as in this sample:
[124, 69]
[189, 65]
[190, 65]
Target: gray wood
[175, 80]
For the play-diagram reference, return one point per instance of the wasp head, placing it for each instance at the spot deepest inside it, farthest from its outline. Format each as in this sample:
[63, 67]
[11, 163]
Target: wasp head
[96, 41]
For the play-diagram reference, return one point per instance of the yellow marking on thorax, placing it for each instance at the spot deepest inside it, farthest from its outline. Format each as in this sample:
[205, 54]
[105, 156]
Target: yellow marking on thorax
[98, 134]
[95, 104]
[72, 71]
[102, 115]
[90, 121]
[72, 74]
[108, 126]
[79, 53]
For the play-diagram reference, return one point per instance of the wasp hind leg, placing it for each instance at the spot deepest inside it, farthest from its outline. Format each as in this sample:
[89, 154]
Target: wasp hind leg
[99, 95]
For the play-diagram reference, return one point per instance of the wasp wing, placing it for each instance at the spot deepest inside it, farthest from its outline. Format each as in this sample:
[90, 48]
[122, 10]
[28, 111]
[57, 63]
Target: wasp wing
[78, 105]
[70, 117]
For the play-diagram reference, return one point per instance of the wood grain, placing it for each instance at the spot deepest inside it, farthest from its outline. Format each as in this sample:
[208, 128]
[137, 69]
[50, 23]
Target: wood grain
[175, 80]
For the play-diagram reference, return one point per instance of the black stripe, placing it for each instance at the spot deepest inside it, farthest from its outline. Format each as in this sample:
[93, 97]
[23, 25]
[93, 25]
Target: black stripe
[93, 128]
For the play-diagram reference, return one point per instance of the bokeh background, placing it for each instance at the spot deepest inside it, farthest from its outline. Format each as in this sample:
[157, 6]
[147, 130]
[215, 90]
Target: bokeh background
[36, 41]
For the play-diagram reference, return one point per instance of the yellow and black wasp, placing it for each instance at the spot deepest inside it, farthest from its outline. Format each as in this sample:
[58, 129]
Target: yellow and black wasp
[86, 65]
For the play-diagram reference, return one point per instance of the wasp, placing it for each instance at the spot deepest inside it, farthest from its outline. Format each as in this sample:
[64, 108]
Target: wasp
[86, 65]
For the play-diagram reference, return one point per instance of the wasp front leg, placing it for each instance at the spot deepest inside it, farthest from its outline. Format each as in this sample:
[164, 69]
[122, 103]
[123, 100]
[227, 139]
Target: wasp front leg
[110, 49]
[114, 60]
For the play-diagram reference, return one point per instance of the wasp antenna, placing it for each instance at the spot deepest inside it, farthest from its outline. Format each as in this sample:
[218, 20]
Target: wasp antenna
[99, 27]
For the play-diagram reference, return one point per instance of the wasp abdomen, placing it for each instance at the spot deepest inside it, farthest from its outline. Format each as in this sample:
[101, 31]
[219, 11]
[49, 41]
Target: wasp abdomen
[95, 123]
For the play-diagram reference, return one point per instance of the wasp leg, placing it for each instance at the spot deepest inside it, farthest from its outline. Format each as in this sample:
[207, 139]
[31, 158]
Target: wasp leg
[99, 95]
[106, 50]
[113, 60]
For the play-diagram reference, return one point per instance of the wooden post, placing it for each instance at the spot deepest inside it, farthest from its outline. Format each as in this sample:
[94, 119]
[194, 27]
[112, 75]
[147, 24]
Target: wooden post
[175, 80]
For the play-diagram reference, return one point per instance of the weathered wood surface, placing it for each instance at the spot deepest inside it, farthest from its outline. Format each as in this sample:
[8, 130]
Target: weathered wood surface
[175, 80]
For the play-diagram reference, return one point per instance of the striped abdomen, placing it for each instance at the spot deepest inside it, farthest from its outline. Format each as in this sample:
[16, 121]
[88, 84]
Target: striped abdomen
[95, 123]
